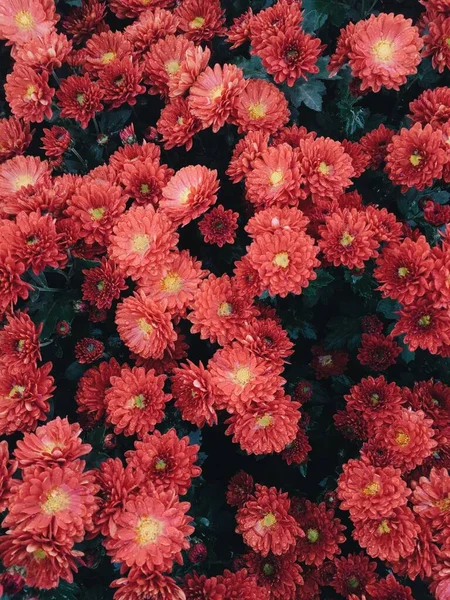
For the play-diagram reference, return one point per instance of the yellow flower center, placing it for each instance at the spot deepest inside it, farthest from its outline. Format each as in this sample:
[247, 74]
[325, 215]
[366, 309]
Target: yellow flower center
[402, 438]
[140, 242]
[20, 344]
[172, 67]
[24, 20]
[403, 272]
[242, 375]
[276, 177]
[147, 531]
[31, 89]
[447, 41]
[39, 554]
[101, 286]
[172, 283]
[346, 239]
[108, 57]
[138, 401]
[353, 582]
[160, 464]
[264, 421]
[323, 168]
[372, 488]
[257, 110]
[225, 309]
[184, 195]
[80, 98]
[56, 501]
[312, 535]
[145, 188]
[281, 260]
[268, 569]
[374, 398]
[197, 23]
[97, 213]
[216, 92]
[145, 327]
[22, 181]
[443, 505]
[383, 527]
[17, 391]
[268, 521]
[415, 159]
[180, 121]
[425, 321]
[326, 360]
[383, 50]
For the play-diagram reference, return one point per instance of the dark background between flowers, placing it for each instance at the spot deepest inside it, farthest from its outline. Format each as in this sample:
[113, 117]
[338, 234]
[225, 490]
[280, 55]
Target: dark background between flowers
[329, 311]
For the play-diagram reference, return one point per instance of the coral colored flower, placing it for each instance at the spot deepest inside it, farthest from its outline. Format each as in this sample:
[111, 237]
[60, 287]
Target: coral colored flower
[243, 586]
[433, 397]
[376, 399]
[431, 498]
[151, 26]
[28, 94]
[285, 261]
[436, 44]
[424, 326]
[416, 157]
[163, 61]
[219, 309]
[194, 61]
[348, 239]
[102, 285]
[296, 452]
[214, 95]
[120, 83]
[56, 443]
[19, 341]
[389, 588]
[323, 534]
[139, 584]
[276, 219]
[435, 213]
[262, 107]
[124, 9]
[384, 50]
[130, 152]
[279, 17]
[144, 180]
[343, 47]
[360, 158]
[265, 523]
[266, 339]
[7, 470]
[275, 178]
[353, 574]
[245, 152]
[200, 20]
[328, 363]
[292, 135]
[218, 226]
[47, 52]
[376, 143]
[11, 285]
[432, 106]
[144, 327]
[199, 587]
[385, 224]
[56, 141]
[104, 49]
[166, 460]
[22, 172]
[141, 239]
[135, 401]
[290, 54]
[90, 396]
[85, 19]
[151, 531]
[378, 352]
[240, 489]
[265, 426]
[176, 125]
[15, 137]
[189, 193]
[22, 20]
[79, 98]
[88, 350]
[193, 393]
[351, 424]
[279, 575]
[239, 32]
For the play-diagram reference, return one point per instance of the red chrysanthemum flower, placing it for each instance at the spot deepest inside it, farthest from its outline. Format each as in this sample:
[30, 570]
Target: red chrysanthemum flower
[120, 82]
[376, 399]
[245, 152]
[384, 50]
[219, 309]
[200, 20]
[239, 32]
[376, 143]
[431, 499]
[85, 20]
[7, 470]
[266, 339]
[193, 393]
[372, 324]
[276, 219]
[303, 391]
[433, 397]
[378, 352]
[15, 137]
[21, 21]
[144, 327]
[242, 586]
[198, 587]
[296, 452]
[323, 534]
[103, 284]
[194, 61]
[353, 574]
[240, 489]
[189, 193]
[139, 584]
[292, 135]
[279, 17]
[275, 178]
[151, 531]
[144, 180]
[265, 523]
[129, 9]
[79, 98]
[351, 424]
[90, 396]
[424, 326]
[141, 239]
[28, 93]
[215, 94]
[218, 226]
[424, 557]
[358, 154]
[130, 152]
[436, 44]
[176, 125]
[88, 350]
[348, 238]
[279, 575]
[24, 396]
[19, 341]
[435, 213]
[152, 25]
[416, 157]
[385, 224]
[56, 141]
[104, 49]
[261, 106]
[432, 106]
[135, 401]
[266, 426]
[328, 363]
[389, 589]
[290, 54]
[47, 52]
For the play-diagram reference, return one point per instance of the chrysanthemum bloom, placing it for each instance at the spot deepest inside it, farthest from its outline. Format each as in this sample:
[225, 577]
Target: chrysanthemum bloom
[193, 393]
[198, 586]
[215, 94]
[423, 559]
[189, 193]
[144, 180]
[218, 226]
[279, 575]
[19, 341]
[276, 219]
[433, 397]
[44, 558]
[323, 534]
[219, 309]
[246, 277]
[242, 585]
[24, 396]
[105, 48]
[265, 426]
[240, 489]
[151, 531]
[167, 461]
[239, 32]
[88, 350]
[28, 93]
[135, 401]
[22, 21]
[130, 152]
[296, 452]
[343, 47]
[19, 173]
[328, 363]
[348, 239]
[432, 106]
[384, 50]
[279, 17]
[376, 399]
[353, 574]
[200, 20]
[102, 285]
[56, 141]
[56, 443]
[240, 377]
[151, 26]
[177, 125]
[388, 589]
[12, 287]
[194, 61]
[410, 437]
[79, 98]
[266, 339]
[171, 356]
[326, 167]
[292, 135]
[351, 424]
[163, 61]
[120, 83]
[378, 352]
[15, 137]
[290, 54]
[424, 326]
[47, 52]
[144, 327]
[385, 224]
[141, 239]
[436, 44]
[360, 158]
[57, 501]
[285, 261]
[435, 213]
[376, 143]
[245, 152]
[275, 178]
[85, 20]
[139, 584]
[7, 470]
[261, 107]
[129, 9]
[371, 492]
[416, 157]
[303, 391]
[440, 276]
[265, 523]
[92, 387]
[431, 498]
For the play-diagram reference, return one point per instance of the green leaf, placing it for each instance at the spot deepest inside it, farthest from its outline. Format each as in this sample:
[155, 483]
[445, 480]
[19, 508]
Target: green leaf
[441, 197]
[388, 308]
[318, 11]
[406, 354]
[113, 121]
[344, 332]
[308, 331]
[310, 93]
[303, 468]
[251, 67]
[74, 371]
[65, 591]
[312, 294]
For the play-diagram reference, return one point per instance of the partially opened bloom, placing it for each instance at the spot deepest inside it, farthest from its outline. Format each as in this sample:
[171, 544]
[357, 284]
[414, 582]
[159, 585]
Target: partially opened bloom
[389, 588]
[353, 574]
[103, 284]
[163, 61]
[139, 584]
[240, 489]
[431, 106]
[79, 98]
[28, 93]
[200, 20]
[90, 396]
[47, 52]
[130, 9]
[177, 125]
[56, 141]
[436, 44]
[242, 585]
[245, 152]
[327, 363]
[120, 82]
[239, 32]
[84, 20]
[24, 20]
[376, 143]
[281, 16]
[297, 451]
[431, 498]
[15, 137]
[218, 226]
[88, 350]
[261, 107]
[19, 341]
[152, 25]
[193, 392]
[279, 575]
[378, 352]
[266, 339]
